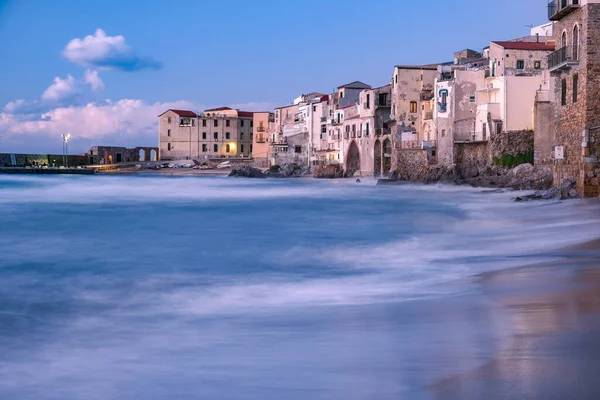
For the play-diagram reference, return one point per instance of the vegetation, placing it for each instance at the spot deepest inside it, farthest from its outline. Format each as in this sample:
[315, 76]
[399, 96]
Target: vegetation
[510, 161]
[274, 169]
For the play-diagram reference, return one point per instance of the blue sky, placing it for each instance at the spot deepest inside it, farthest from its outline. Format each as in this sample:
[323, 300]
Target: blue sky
[103, 70]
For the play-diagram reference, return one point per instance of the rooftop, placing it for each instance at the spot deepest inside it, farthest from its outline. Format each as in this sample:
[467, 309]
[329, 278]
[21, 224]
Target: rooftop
[355, 85]
[182, 113]
[526, 46]
[219, 109]
[425, 67]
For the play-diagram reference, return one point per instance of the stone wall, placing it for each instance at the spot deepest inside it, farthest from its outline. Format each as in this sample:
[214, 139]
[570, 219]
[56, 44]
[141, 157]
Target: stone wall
[23, 160]
[511, 143]
[409, 164]
[543, 136]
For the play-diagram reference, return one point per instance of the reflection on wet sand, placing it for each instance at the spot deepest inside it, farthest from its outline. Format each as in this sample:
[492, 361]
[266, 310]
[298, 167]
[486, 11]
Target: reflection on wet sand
[553, 353]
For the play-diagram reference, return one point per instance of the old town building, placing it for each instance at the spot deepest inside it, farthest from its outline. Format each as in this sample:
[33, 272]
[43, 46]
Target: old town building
[575, 67]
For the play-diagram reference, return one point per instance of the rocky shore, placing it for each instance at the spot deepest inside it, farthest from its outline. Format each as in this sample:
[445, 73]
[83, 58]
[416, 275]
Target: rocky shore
[291, 170]
[521, 177]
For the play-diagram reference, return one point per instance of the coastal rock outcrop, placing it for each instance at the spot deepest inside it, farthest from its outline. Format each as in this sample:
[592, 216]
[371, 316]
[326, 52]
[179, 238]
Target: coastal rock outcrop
[328, 171]
[290, 170]
[247, 171]
[565, 190]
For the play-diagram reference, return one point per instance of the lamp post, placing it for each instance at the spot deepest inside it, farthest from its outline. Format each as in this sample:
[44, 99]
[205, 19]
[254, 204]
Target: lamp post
[65, 140]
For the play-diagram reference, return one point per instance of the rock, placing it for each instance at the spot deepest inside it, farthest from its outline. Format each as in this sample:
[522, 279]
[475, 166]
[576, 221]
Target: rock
[291, 170]
[328, 171]
[573, 193]
[358, 181]
[247, 171]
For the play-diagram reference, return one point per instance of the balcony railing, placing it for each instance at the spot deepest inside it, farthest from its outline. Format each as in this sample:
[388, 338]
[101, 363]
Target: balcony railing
[558, 9]
[261, 129]
[563, 58]
[260, 139]
[426, 96]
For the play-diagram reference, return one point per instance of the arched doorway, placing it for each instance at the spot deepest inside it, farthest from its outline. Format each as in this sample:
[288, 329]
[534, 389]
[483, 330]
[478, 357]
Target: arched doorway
[142, 155]
[377, 158]
[387, 156]
[352, 160]
[153, 155]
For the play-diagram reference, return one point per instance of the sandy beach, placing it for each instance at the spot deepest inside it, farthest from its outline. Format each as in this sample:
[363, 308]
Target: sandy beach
[553, 353]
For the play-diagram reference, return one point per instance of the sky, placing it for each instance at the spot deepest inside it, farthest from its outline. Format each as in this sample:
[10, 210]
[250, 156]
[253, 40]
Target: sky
[104, 70]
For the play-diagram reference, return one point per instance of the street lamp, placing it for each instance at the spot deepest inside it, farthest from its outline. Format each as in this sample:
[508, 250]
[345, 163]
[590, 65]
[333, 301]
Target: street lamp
[65, 141]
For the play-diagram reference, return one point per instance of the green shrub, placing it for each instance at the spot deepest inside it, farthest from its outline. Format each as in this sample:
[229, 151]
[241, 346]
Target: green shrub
[274, 168]
[510, 161]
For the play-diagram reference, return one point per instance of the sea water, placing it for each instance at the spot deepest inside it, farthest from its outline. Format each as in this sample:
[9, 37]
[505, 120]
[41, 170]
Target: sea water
[150, 287]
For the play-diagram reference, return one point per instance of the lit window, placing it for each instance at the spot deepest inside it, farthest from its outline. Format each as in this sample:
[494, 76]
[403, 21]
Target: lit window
[537, 64]
[413, 106]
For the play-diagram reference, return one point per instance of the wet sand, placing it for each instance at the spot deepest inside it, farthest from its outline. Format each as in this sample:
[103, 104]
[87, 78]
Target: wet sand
[554, 352]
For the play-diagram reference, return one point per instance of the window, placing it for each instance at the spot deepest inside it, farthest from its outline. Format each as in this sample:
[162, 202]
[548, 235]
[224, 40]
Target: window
[241, 122]
[298, 149]
[168, 132]
[396, 78]
[413, 106]
[241, 135]
[576, 42]
[537, 65]
[251, 123]
[472, 98]
[341, 95]
[193, 122]
[216, 148]
[250, 148]
[443, 133]
[227, 123]
[323, 128]
[367, 130]
[226, 148]
[368, 105]
[168, 120]
[216, 136]
[216, 123]
[563, 99]
[241, 148]
[314, 108]
[168, 146]
[484, 129]
[520, 64]
[575, 87]
[203, 122]
[204, 148]
[203, 135]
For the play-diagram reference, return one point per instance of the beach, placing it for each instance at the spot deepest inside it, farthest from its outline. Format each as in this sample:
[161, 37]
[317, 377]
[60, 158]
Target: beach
[214, 287]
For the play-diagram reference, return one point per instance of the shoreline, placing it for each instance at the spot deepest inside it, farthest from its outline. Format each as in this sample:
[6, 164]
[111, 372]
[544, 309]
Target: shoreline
[555, 308]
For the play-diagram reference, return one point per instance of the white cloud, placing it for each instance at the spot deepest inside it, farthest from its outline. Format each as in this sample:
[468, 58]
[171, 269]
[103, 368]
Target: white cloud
[108, 52]
[61, 89]
[91, 77]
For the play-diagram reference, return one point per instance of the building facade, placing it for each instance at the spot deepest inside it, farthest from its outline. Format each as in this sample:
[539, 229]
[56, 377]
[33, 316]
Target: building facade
[575, 66]
[219, 132]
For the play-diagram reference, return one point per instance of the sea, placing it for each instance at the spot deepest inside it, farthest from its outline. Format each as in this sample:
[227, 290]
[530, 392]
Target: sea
[155, 287]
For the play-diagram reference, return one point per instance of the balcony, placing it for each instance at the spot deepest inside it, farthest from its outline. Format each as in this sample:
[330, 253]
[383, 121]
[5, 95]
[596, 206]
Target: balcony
[260, 139]
[558, 9]
[426, 96]
[563, 58]
[428, 115]
[261, 129]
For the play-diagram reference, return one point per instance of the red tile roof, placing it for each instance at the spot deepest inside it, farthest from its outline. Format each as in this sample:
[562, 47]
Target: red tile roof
[218, 109]
[526, 46]
[245, 114]
[353, 117]
[182, 113]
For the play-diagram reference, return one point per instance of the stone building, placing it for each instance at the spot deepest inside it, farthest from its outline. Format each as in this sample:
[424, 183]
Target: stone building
[260, 145]
[412, 92]
[374, 109]
[100, 155]
[575, 67]
[217, 132]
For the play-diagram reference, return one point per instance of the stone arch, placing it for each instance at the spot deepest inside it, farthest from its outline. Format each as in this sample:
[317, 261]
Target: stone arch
[142, 155]
[352, 159]
[153, 156]
[377, 158]
[387, 156]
